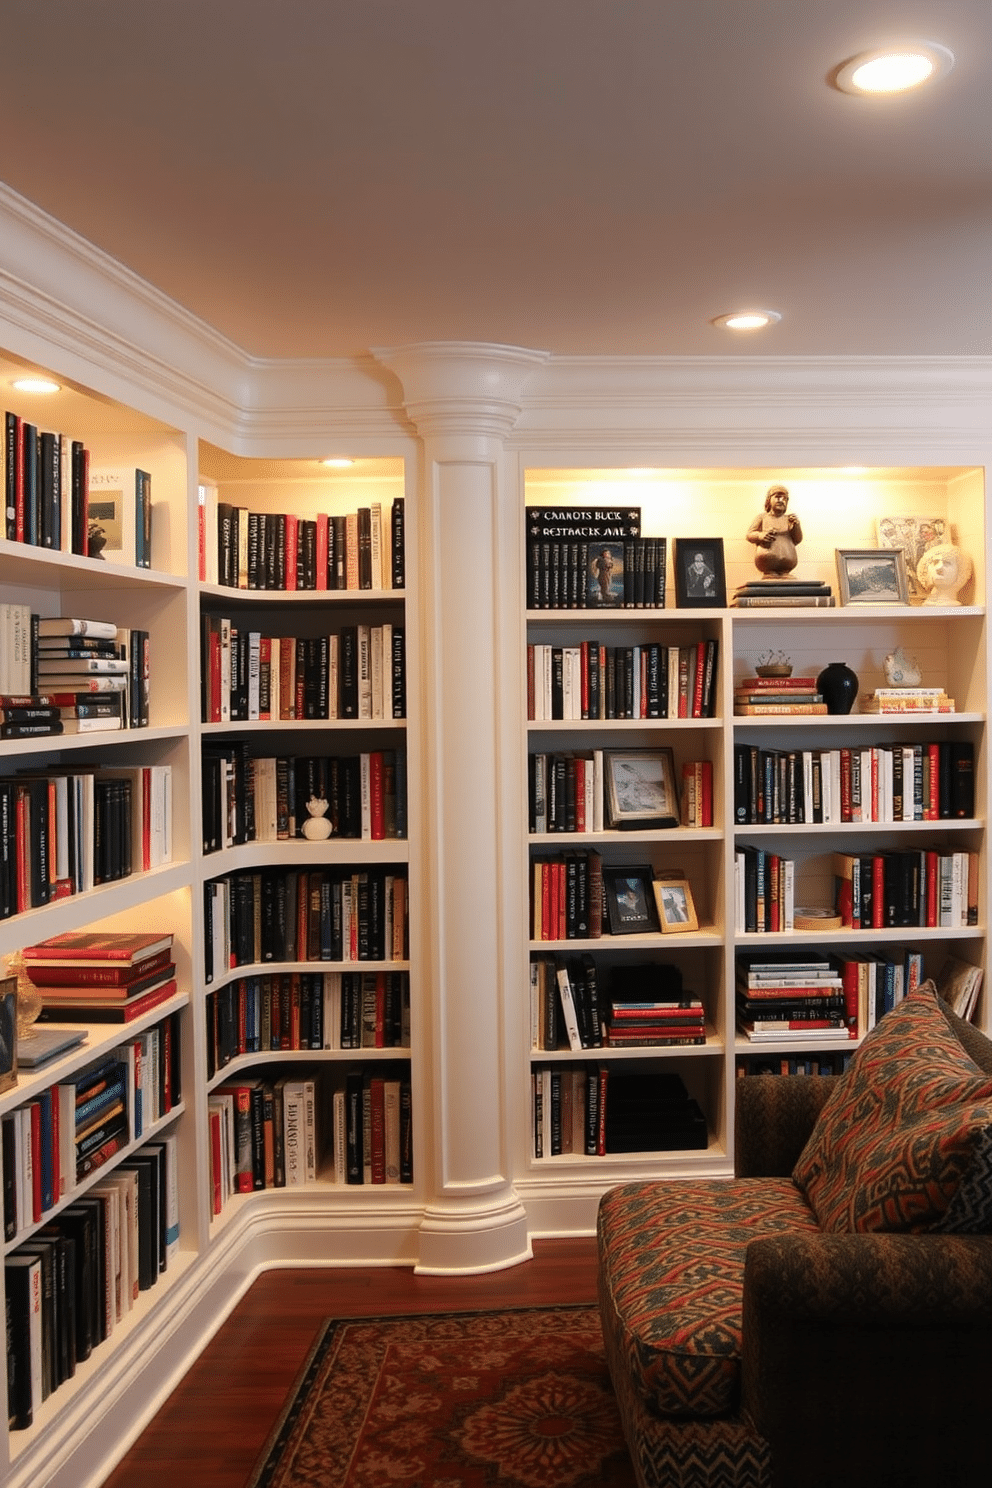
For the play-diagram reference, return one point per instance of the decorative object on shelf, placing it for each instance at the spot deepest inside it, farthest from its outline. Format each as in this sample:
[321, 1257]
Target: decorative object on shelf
[943, 571]
[673, 900]
[640, 789]
[775, 533]
[700, 577]
[811, 917]
[872, 576]
[774, 664]
[8, 1032]
[914, 535]
[838, 686]
[316, 828]
[630, 900]
[902, 670]
[28, 997]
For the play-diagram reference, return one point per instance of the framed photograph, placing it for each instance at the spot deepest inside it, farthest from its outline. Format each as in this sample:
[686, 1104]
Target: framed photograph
[700, 577]
[872, 576]
[640, 789]
[913, 535]
[604, 575]
[8, 1032]
[673, 900]
[630, 900]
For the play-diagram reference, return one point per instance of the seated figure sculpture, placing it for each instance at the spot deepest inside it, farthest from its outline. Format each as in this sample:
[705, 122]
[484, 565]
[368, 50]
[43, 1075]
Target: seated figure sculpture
[775, 533]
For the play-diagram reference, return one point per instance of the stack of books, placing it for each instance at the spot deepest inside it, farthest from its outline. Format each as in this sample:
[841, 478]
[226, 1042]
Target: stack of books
[907, 700]
[101, 977]
[101, 1115]
[22, 716]
[95, 674]
[757, 696]
[799, 999]
[784, 592]
[643, 1024]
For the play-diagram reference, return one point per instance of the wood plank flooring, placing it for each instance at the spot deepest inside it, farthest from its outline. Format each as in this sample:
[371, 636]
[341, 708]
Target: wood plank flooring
[211, 1431]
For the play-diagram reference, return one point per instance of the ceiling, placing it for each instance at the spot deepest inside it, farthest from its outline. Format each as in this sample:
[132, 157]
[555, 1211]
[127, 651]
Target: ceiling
[600, 177]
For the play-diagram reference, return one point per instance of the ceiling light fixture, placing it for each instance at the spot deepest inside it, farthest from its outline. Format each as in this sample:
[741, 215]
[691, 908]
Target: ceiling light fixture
[747, 320]
[894, 69]
[337, 462]
[36, 385]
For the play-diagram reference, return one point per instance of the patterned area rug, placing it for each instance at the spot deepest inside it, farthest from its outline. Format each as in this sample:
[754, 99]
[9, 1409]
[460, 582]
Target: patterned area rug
[520, 1398]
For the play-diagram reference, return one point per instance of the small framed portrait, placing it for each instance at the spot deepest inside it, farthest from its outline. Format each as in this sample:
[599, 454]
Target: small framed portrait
[673, 900]
[630, 900]
[640, 789]
[872, 576]
[8, 1032]
[700, 577]
[604, 575]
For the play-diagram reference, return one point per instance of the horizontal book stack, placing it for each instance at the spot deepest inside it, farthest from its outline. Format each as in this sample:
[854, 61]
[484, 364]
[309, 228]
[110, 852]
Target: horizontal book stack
[797, 999]
[327, 914]
[308, 1010]
[593, 681]
[598, 1109]
[783, 593]
[243, 549]
[79, 1276]
[898, 700]
[101, 976]
[764, 892]
[925, 887]
[757, 696]
[97, 674]
[656, 1024]
[567, 897]
[930, 781]
[356, 672]
[286, 1132]
[264, 799]
[46, 487]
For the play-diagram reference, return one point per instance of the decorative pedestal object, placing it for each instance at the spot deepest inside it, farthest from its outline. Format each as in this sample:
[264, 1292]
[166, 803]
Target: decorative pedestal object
[839, 686]
[316, 828]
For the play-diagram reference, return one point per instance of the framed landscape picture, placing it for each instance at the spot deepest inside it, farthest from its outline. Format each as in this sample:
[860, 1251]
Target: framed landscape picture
[700, 577]
[630, 900]
[872, 576]
[640, 789]
[673, 899]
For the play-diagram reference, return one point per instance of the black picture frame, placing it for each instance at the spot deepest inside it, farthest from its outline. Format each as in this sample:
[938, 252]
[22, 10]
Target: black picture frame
[630, 901]
[641, 792]
[700, 574]
[8, 1032]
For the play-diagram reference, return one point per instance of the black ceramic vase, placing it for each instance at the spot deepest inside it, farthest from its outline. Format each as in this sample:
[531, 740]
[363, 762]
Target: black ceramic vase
[839, 687]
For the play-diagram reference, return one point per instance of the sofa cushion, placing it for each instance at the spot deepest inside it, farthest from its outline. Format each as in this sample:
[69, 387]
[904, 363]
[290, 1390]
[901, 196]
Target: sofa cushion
[671, 1282]
[903, 1142]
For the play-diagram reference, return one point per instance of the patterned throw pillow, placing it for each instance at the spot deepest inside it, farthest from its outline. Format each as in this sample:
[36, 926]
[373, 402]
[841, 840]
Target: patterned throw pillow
[903, 1142]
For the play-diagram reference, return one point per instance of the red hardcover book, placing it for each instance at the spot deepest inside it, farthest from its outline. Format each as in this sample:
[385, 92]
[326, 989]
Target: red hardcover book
[377, 802]
[377, 1099]
[845, 785]
[580, 794]
[685, 653]
[215, 1162]
[705, 792]
[604, 1077]
[292, 533]
[109, 1012]
[99, 947]
[584, 674]
[931, 888]
[931, 808]
[877, 892]
[214, 684]
[321, 550]
[699, 677]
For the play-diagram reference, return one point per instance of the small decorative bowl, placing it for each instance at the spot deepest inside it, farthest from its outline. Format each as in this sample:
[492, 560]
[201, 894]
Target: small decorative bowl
[775, 669]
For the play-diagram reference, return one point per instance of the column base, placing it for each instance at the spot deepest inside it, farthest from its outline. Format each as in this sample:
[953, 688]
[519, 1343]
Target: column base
[464, 1236]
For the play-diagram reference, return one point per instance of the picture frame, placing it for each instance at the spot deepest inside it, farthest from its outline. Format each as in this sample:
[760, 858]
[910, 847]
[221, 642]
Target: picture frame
[913, 534]
[8, 1032]
[604, 575]
[640, 789]
[674, 903]
[872, 576]
[700, 574]
[630, 901]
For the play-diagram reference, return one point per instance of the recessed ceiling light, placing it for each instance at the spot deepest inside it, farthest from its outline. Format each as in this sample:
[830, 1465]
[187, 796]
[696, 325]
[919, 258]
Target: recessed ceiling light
[35, 385]
[894, 69]
[747, 320]
[337, 463]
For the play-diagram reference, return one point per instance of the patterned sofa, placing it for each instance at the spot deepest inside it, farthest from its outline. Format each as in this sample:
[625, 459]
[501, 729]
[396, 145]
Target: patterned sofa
[825, 1318]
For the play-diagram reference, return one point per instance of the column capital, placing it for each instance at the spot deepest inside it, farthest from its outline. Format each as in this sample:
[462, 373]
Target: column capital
[460, 388]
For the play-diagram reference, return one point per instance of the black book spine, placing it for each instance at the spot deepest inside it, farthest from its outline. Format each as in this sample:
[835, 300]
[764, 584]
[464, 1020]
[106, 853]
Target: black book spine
[398, 544]
[50, 491]
[29, 445]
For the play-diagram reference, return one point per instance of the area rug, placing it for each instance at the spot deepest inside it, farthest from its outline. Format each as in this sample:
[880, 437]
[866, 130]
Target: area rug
[520, 1398]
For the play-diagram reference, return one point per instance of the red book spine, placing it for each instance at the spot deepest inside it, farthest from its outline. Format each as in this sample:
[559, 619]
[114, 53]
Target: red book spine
[23, 853]
[584, 671]
[580, 795]
[684, 654]
[322, 520]
[706, 793]
[845, 786]
[146, 819]
[213, 702]
[265, 667]
[877, 892]
[931, 810]
[215, 1163]
[698, 679]
[377, 796]
[292, 530]
[377, 1096]
[932, 901]
[849, 977]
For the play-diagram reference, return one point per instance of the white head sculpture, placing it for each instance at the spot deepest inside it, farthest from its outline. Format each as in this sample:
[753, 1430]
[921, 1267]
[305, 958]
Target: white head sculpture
[944, 570]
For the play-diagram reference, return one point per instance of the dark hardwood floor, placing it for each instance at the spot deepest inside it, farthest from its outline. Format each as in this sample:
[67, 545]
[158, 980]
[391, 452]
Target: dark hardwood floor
[211, 1430]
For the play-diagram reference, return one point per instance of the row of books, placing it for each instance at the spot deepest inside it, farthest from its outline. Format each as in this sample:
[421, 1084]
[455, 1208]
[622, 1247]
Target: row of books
[567, 900]
[598, 1109]
[642, 1004]
[933, 887]
[593, 681]
[264, 799]
[79, 1276]
[307, 1010]
[289, 915]
[65, 832]
[299, 1128]
[243, 549]
[356, 672]
[932, 781]
[594, 573]
[46, 485]
[825, 1063]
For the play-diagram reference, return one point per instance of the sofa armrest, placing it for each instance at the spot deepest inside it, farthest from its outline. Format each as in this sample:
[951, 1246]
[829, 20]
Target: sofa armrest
[865, 1357]
[774, 1116]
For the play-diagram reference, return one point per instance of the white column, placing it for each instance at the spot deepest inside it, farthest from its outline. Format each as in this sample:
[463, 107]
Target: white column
[463, 400]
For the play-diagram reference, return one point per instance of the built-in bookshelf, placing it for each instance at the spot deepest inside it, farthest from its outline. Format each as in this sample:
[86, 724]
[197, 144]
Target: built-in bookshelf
[303, 708]
[765, 823]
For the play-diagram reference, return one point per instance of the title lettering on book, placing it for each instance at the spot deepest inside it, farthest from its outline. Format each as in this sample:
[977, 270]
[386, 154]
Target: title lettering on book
[562, 522]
